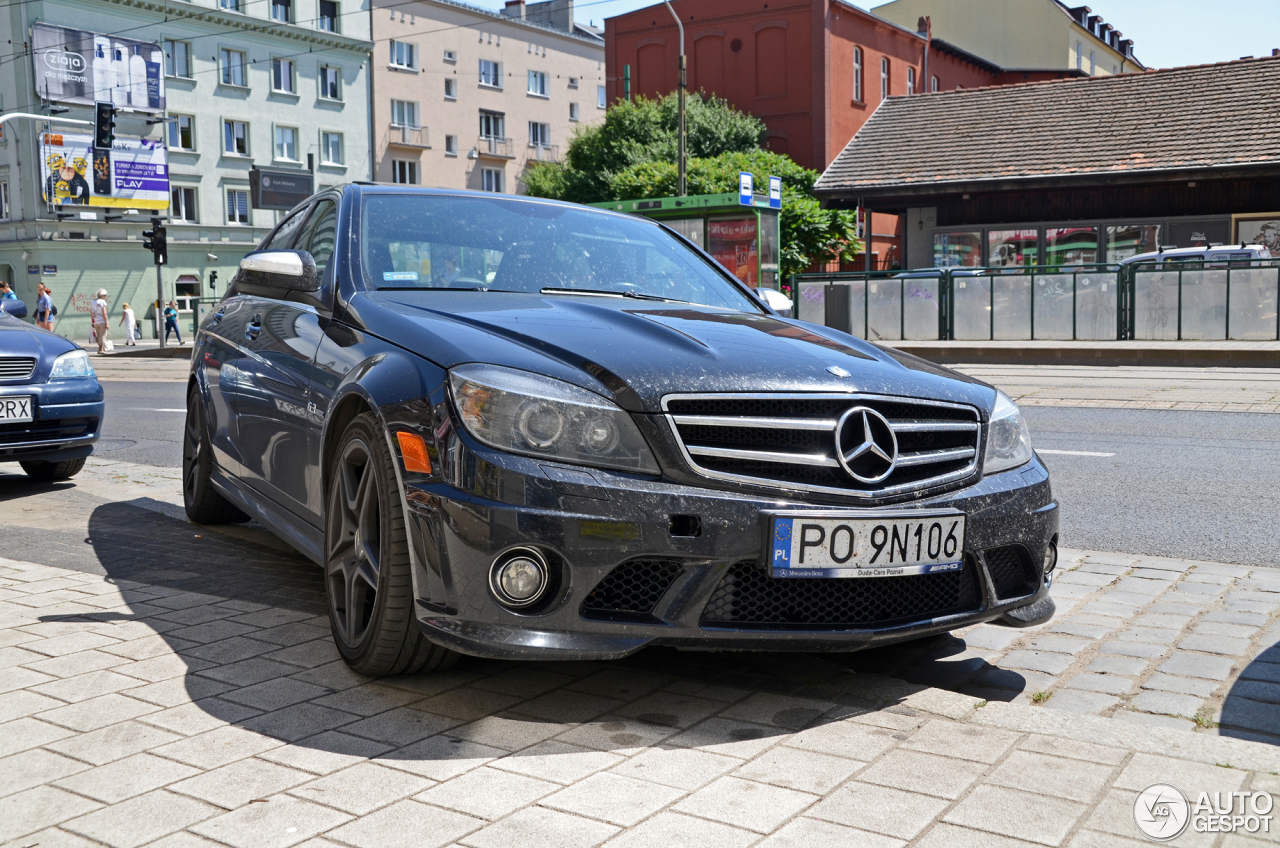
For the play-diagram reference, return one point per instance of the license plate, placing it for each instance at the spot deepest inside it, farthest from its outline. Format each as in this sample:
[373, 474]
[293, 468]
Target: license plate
[862, 545]
[15, 409]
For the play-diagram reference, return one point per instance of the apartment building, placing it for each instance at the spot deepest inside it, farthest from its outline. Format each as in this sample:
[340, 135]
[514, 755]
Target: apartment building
[469, 98]
[224, 87]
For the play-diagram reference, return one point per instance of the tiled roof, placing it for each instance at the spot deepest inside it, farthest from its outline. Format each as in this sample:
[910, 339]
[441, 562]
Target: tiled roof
[1207, 116]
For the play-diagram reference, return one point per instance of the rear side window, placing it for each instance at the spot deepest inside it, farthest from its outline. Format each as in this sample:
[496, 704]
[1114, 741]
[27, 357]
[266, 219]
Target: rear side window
[319, 235]
[282, 238]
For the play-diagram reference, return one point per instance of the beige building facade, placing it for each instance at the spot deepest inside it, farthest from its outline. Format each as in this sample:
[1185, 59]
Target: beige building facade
[468, 98]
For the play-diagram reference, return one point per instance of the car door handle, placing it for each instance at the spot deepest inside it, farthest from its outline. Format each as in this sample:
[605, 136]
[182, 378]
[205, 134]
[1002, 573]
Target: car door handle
[255, 327]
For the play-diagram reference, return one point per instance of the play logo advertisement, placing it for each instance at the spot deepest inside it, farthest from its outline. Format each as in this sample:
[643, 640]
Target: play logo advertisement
[134, 173]
[81, 67]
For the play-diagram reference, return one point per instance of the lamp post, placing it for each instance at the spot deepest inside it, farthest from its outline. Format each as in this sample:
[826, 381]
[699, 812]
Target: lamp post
[683, 155]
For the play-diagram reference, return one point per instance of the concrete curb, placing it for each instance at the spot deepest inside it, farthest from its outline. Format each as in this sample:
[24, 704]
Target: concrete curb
[1183, 355]
[151, 353]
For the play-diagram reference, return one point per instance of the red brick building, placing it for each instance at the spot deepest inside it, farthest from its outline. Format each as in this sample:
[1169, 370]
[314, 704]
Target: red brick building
[813, 71]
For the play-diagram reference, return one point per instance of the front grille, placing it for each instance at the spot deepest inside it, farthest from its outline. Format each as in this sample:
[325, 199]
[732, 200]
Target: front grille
[47, 429]
[789, 441]
[1012, 571]
[748, 597]
[16, 367]
[630, 591]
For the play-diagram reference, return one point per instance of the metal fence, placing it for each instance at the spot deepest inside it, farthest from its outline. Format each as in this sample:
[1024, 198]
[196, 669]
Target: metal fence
[1234, 300]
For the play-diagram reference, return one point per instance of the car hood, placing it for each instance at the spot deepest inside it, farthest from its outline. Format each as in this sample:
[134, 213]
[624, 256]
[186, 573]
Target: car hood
[636, 351]
[17, 338]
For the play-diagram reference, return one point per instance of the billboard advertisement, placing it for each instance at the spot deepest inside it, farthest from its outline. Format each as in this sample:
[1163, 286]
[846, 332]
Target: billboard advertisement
[75, 66]
[134, 173]
[733, 244]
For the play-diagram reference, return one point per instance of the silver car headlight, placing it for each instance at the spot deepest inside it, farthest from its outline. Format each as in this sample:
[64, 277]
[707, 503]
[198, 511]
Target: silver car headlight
[1008, 439]
[527, 413]
[71, 365]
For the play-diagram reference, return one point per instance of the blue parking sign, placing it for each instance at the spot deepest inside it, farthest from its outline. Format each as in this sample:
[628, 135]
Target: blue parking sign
[746, 187]
[775, 192]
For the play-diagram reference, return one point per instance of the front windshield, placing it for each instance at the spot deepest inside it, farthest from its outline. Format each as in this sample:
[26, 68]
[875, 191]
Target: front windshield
[418, 241]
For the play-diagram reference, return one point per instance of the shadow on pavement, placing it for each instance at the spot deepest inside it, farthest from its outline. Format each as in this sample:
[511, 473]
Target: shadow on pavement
[1252, 707]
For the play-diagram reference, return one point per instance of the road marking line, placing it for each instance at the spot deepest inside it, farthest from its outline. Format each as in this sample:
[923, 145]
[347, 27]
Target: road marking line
[1073, 453]
[144, 409]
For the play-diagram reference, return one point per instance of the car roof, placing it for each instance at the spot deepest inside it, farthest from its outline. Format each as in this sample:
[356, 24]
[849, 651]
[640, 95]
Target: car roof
[1175, 252]
[361, 187]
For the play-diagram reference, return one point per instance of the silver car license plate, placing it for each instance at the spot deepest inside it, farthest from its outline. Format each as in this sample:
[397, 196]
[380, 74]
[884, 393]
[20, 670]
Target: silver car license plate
[15, 410]
[865, 544]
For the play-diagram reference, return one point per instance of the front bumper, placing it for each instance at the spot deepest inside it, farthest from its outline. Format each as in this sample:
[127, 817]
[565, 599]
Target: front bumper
[588, 523]
[68, 420]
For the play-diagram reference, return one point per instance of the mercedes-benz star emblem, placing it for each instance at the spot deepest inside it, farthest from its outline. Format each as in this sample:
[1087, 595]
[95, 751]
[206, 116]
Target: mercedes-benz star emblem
[866, 445]
[838, 371]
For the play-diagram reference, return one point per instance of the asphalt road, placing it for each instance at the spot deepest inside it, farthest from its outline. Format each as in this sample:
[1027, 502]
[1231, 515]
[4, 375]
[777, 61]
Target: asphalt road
[143, 422]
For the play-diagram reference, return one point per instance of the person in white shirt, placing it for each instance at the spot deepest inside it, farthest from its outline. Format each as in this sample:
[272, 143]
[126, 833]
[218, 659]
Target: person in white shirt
[130, 325]
[98, 315]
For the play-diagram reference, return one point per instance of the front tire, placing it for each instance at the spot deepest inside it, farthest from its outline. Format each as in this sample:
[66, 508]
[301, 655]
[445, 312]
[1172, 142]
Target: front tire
[46, 471]
[203, 503]
[368, 580]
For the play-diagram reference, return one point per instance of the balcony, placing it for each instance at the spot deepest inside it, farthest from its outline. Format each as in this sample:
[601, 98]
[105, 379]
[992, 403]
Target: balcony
[416, 138]
[492, 147]
[544, 152]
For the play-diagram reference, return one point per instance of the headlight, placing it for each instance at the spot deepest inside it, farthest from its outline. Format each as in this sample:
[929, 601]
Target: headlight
[526, 413]
[72, 364]
[1008, 440]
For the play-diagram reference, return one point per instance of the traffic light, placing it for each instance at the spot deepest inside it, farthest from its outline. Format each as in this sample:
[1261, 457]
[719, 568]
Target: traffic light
[213, 281]
[155, 241]
[104, 125]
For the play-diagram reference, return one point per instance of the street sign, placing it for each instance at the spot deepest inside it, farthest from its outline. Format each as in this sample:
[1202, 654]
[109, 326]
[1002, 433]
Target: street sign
[775, 192]
[746, 187]
[276, 188]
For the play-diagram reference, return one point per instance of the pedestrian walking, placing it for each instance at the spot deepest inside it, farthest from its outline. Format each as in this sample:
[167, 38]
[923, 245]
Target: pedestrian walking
[171, 321]
[98, 315]
[6, 293]
[130, 325]
[44, 307]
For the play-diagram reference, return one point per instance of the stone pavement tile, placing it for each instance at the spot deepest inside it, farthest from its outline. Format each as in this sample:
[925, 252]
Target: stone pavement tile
[362, 788]
[39, 808]
[1153, 720]
[113, 742]
[1072, 627]
[1125, 666]
[1155, 635]
[1020, 680]
[164, 667]
[34, 767]
[991, 638]
[967, 742]
[271, 617]
[526, 682]
[465, 703]
[338, 676]
[1163, 620]
[199, 716]
[1106, 683]
[879, 809]
[621, 800]
[1077, 701]
[1250, 715]
[851, 739]
[618, 734]
[436, 757]
[211, 631]
[805, 832]
[1073, 749]
[562, 705]
[1149, 586]
[298, 721]
[1166, 703]
[1053, 776]
[558, 761]
[1180, 608]
[21, 703]
[217, 747]
[279, 822]
[401, 726]
[1114, 814]
[78, 663]
[673, 830]
[778, 710]
[487, 793]
[1146, 769]
[1262, 671]
[230, 650]
[745, 803]
[1218, 628]
[294, 633]
[689, 768]
[915, 771]
[126, 778]
[25, 733]
[241, 782]
[670, 709]
[1097, 839]
[141, 819]
[1132, 599]
[325, 753]
[1256, 690]
[250, 671]
[793, 768]
[1215, 645]
[1124, 611]
[1197, 665]
[1130, 648]
[85, 686]
[507, 731]
[943, 835]
[184, 600]
[275, 694]
[194, 615]
[183, 839]
[532, 827]
[71, 643]
[369, 699]
[731, 737]
[1085, 578]
[1184, 685]
[1022, 815]
[57, 838]
[1248, 619]
[179, 690]
[424, 685]
[311, 654]
[98, 712]
[626, 684]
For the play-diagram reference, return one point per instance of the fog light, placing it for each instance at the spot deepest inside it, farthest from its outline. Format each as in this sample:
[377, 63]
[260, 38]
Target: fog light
[518, 578]
[1050, 562]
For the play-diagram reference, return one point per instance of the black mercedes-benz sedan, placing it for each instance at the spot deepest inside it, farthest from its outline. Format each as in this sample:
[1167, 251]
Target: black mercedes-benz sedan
[517, 428]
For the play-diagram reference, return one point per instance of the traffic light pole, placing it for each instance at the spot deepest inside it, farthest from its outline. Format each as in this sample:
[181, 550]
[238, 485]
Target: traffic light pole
[160, 302]
[682, 135]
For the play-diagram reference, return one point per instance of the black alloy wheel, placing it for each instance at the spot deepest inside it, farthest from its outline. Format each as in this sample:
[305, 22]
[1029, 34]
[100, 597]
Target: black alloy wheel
[368, 578]
[203, 503]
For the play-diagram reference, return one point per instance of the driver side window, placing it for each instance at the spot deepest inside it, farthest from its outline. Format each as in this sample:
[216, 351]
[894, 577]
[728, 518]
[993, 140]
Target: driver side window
[320, 234]
[282, 238]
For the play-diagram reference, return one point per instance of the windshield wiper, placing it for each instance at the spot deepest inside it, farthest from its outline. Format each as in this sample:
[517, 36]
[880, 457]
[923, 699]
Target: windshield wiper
[607, 293]
[447, 288]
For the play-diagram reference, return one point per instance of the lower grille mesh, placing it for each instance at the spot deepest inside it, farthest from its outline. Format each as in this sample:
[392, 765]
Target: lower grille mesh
[1012, 571]
[630, 591]
[748, 597]
[46, 429]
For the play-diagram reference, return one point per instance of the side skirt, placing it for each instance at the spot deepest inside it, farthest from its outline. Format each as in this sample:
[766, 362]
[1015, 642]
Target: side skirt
[303, 537]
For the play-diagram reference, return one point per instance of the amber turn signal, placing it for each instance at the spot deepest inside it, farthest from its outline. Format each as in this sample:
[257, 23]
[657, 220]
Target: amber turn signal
[413, 449]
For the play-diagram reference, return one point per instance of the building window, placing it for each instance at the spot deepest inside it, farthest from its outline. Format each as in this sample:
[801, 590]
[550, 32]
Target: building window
[911, 80]
[451, 56]
[404, 113]
[182, 204]
[280, 11]
[492, 125]
[232, 5]
[1093, 62]
[4, 201]
[287, 144]
[573, 82]
[404, 173]
[233, 68]
[404, 55]
[282, 76]
[451, 145]
[491, 73]
[492, 179]
[237, 206]
[857, 74]
[933, 83]
[182, 135]
[573, 111]
[177, 58]
[235, 138]
[1079, 56]
[450, 88]
[330, 82]
[328, 15]
[331, 148]
[538, 83]
[884, 77]
[539, 134]
[601, 97]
